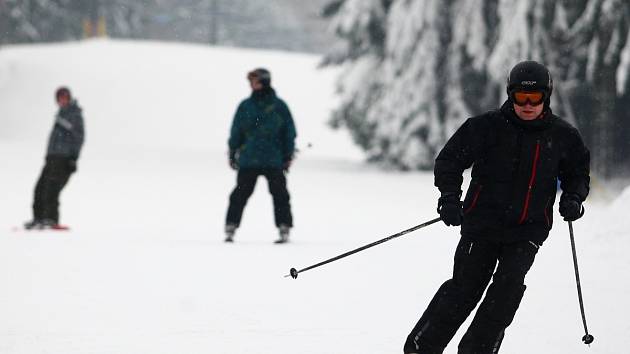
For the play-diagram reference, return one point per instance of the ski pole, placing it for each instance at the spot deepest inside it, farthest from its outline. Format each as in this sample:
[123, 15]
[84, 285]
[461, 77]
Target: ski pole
[294, 272]
[587, 339]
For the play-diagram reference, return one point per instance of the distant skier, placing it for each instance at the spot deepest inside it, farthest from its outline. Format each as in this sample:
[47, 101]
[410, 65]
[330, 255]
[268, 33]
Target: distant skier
[64, 146]
[517, 154]
[262, 142]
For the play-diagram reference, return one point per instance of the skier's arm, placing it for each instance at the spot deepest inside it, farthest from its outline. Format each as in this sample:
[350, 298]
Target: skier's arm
[64, 123]
[72, 124]
[79, 133]
[574, 167]
[236, 135]
[457, 155]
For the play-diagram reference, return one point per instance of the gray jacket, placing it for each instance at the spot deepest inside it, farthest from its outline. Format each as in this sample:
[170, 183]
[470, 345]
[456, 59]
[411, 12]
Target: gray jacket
[67, 135]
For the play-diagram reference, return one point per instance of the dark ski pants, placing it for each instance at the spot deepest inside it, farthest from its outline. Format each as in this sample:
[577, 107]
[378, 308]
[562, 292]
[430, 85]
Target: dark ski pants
[245, 183]
[475, 262]
[53, 179]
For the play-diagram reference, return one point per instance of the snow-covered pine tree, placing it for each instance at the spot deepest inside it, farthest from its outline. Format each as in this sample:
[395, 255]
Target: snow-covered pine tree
[592, 37]
[361, 24]
[439, 62]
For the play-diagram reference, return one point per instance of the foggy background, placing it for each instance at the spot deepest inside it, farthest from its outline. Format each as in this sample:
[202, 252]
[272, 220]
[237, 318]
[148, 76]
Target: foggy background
[274, 24]
[144, 268]
[412, 71]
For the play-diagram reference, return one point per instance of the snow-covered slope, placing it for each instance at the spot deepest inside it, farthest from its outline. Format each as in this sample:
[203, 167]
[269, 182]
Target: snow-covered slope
[144, 269]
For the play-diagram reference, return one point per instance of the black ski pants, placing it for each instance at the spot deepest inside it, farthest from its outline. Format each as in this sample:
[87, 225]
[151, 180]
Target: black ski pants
[475, 262]
[53, 179]
[245, 183]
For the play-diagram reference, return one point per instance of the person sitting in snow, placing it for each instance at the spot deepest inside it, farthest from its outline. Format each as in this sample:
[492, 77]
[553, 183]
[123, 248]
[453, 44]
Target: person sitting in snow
[261, 143]
[517, 154]
[64, 147]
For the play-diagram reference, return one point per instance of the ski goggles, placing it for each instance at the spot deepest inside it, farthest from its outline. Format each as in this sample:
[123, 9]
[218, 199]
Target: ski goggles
[534, 98]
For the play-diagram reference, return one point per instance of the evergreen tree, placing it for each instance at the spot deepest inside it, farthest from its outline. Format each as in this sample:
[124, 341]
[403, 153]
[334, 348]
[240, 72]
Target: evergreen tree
[38, 20]
[438, 62]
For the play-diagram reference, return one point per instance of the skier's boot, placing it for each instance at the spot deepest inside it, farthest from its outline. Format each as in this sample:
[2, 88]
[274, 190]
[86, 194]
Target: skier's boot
[283, 231]
[42, 224]
[49, 224]
[230, 230]
[33, 224]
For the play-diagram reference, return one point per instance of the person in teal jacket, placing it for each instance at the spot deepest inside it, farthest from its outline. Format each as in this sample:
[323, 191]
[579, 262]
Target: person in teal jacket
[262, 143]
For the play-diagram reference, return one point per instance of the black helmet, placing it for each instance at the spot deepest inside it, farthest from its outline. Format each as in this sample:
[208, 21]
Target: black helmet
[263, 75]
[530, 76]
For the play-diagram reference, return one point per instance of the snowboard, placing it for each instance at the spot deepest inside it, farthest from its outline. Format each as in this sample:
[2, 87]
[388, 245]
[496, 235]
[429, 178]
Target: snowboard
[57, 227]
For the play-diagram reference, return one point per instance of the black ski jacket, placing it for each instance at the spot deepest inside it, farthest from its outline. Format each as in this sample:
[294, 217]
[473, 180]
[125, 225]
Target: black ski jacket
[67, 135]
[515, 168]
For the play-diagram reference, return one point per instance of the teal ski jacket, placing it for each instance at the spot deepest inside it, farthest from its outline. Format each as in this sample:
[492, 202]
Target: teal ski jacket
[263, 132]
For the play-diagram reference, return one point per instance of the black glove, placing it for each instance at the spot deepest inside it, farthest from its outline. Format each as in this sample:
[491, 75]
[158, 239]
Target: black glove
[571, 207]
[232, 160]
[286, 165]
[450, 209]
[72, 165]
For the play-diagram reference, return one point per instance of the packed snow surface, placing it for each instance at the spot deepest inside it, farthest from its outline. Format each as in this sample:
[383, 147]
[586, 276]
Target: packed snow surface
[145, 269]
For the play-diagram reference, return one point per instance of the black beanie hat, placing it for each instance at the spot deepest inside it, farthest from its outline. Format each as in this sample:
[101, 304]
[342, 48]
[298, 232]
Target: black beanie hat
[263, 75]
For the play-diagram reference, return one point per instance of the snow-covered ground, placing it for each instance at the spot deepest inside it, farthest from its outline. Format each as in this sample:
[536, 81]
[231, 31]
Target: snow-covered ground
[145, 269]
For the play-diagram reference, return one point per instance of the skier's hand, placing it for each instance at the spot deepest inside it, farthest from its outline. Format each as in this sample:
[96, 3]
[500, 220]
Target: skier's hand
[450, 209]
[286, 165]
[232, 160]
[571, 207]
[72, 166]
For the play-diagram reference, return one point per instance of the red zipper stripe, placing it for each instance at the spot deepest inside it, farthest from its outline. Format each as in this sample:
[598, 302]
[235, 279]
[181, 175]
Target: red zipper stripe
[531, 184]
[474, 201]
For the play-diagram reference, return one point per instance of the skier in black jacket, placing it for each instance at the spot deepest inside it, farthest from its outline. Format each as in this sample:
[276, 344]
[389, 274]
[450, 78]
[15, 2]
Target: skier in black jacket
[517, 154]
[64, 146]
